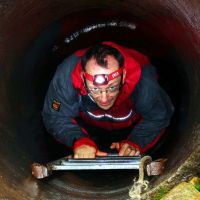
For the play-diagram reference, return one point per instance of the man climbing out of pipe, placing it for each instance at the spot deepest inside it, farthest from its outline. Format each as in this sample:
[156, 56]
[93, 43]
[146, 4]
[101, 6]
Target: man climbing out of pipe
[106, 94]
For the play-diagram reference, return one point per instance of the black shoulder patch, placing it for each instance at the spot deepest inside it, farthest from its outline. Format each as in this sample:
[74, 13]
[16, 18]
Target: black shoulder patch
[56, 105]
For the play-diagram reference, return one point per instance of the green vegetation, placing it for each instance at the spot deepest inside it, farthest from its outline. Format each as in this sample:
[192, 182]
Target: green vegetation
[160, 194]
[197, 186]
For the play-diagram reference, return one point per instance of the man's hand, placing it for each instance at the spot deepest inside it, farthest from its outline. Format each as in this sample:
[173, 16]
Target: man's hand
[125, 150]
[86, 151]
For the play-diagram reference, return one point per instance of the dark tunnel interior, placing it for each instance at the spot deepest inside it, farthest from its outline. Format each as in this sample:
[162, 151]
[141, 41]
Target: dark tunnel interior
[38, 36]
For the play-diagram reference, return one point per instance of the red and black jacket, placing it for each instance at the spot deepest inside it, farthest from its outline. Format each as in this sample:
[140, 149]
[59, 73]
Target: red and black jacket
[141, 103]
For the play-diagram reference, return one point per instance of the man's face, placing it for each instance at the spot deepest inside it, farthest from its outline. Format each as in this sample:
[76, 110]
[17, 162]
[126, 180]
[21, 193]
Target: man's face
[103, 99]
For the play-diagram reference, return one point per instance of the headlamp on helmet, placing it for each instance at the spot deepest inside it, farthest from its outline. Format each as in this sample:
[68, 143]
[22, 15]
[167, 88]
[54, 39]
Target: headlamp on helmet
[103, 79]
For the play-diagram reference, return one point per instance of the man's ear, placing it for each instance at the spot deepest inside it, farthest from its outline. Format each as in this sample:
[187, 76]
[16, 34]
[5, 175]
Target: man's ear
[82, 75]
[124, 76]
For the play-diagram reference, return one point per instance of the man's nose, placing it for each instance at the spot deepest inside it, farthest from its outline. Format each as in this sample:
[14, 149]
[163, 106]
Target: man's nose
[103, 96]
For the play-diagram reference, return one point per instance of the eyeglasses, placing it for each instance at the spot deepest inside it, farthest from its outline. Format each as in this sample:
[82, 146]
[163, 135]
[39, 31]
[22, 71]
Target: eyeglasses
[110, 90]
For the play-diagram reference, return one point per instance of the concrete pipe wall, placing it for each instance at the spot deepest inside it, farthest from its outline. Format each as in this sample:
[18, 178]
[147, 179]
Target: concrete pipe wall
[36, 35]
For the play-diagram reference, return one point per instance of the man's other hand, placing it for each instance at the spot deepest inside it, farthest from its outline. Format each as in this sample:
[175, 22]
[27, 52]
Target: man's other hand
[125, 149]
[86, 151]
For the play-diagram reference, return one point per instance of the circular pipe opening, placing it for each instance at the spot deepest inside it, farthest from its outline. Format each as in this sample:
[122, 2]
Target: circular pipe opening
[29, 64]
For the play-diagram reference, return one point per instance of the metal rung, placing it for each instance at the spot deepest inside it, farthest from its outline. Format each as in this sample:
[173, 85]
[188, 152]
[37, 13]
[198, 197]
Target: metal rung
[153, 168]
[99, 163]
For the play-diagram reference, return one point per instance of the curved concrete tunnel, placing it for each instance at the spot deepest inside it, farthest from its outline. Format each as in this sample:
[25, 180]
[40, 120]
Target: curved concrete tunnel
[32, 44]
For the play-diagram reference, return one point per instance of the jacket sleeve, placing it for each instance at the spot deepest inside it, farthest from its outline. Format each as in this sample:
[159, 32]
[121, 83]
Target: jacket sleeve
[61, 106]
[155, 107]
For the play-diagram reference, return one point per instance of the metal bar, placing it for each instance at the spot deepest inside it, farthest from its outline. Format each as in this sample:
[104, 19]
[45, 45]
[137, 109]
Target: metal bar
[104, 159]
[94, 167]
[99, 163]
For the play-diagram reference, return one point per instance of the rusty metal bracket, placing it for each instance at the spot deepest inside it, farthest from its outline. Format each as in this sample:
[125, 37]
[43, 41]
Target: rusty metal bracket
[156, 167]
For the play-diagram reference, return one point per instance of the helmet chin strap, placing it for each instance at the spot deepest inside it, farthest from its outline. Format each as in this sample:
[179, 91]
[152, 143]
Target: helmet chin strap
[103, 79]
